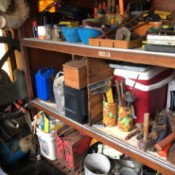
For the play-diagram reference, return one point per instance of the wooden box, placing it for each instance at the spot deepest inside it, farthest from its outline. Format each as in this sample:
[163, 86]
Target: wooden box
[75, 74]
[71, 146]
[115, 43]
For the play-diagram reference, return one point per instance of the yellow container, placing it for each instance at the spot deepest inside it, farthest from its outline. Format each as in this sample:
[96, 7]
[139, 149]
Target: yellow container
[69, 23]
[125, 119]
[109, 114]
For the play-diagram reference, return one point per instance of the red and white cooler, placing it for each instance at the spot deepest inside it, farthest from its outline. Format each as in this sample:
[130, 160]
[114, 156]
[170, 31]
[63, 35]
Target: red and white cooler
[150, 89]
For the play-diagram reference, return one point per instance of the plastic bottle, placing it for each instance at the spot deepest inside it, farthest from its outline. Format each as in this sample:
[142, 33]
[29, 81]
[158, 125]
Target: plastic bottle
[35, 29]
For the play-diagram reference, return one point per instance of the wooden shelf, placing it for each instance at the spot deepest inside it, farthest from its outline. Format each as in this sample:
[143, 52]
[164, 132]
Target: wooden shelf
[138, 56]
[128, 55]
[148, 159]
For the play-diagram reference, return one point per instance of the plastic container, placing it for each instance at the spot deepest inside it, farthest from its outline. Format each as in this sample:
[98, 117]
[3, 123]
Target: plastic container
[148, 77]
[59, 92]
[151, 93]
[47, 144]
[44, 83]
[71, 34]
[86, 33]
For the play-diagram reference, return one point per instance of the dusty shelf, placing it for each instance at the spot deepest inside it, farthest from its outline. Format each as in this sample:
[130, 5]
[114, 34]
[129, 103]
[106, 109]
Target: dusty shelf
[146, 158]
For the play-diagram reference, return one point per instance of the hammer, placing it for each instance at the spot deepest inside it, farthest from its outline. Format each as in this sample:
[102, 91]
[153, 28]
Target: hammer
[145, 142]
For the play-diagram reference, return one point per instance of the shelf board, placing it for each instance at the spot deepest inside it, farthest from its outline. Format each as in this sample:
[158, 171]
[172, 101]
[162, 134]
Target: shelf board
[146, 158]
[137, 55]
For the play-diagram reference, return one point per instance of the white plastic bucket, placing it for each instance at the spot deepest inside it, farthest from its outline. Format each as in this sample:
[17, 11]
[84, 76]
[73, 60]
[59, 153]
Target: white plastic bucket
[47, 144]
[96, 164]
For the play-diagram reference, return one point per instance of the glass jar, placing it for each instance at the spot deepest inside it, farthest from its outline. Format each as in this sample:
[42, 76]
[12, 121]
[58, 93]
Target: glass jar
[56, 33]
[48, 31]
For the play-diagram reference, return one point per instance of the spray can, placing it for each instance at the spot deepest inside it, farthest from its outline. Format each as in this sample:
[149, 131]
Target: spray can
[35, 29]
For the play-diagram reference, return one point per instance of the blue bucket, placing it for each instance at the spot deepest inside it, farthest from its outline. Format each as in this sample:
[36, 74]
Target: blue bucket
[71, 34]
[86, 33]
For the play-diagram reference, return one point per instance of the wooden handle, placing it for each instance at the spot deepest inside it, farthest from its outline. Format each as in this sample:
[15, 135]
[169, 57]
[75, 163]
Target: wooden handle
[130, 135]
[161, 145]
[146, 126]
[121, 6]
[165, 150]
[118, 93]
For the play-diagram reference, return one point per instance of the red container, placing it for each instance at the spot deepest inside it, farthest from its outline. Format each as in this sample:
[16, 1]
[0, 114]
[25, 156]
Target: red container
[150, 89]
[71, 146]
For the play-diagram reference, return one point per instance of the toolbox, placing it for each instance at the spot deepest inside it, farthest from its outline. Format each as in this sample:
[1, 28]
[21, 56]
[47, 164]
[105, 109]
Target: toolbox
[150, 89]
[75, 74]
[71, 146]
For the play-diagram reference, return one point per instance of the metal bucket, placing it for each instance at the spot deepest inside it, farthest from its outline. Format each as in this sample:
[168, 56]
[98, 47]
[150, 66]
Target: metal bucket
[96, 164]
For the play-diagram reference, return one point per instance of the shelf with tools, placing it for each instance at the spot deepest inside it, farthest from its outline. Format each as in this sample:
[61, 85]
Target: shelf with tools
[130, 149]
[32, 48]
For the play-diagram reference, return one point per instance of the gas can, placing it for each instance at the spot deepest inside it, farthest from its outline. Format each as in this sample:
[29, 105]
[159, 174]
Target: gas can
[44, 83]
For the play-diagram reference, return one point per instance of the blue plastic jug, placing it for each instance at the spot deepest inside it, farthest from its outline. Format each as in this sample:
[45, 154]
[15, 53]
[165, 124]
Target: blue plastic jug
[44, 83]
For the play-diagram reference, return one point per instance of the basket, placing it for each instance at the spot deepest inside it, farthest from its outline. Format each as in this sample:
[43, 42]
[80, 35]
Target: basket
[70, 34]
[86, 33]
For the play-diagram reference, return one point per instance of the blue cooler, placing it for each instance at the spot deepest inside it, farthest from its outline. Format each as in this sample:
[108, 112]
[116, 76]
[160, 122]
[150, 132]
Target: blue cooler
[44, 83]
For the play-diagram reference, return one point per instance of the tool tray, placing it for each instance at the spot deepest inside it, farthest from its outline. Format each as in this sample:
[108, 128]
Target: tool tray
[116, 43]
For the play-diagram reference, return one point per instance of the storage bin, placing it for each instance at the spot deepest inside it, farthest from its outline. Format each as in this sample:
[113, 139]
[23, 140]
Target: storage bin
[76, 104]
[75, 74]
[47, 144]
[150, 92]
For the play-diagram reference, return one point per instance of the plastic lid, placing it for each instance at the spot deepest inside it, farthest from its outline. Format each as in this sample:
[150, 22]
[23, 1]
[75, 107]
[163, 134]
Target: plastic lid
[34, 23]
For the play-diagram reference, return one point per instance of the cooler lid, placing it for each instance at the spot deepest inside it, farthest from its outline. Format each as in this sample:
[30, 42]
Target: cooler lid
[147, 75]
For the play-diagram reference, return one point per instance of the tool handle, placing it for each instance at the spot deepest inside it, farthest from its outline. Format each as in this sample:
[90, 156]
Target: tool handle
[165, 150]
[121, 6]
[146, 126]
[161, 145]
[130, 135]
[118, 93]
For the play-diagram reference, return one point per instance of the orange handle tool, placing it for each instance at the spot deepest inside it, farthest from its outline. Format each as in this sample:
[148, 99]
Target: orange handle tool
[165, 150]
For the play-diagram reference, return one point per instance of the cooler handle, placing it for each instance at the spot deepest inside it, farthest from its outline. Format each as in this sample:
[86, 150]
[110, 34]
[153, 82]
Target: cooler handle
[150, 87]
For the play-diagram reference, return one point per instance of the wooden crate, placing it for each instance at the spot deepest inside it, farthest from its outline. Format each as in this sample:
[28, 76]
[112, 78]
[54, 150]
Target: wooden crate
[115, 43]
[75, 74]
[71, 147]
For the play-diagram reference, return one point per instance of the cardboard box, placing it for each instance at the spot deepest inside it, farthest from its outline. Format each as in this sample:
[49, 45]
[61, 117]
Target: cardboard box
[75, 74]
